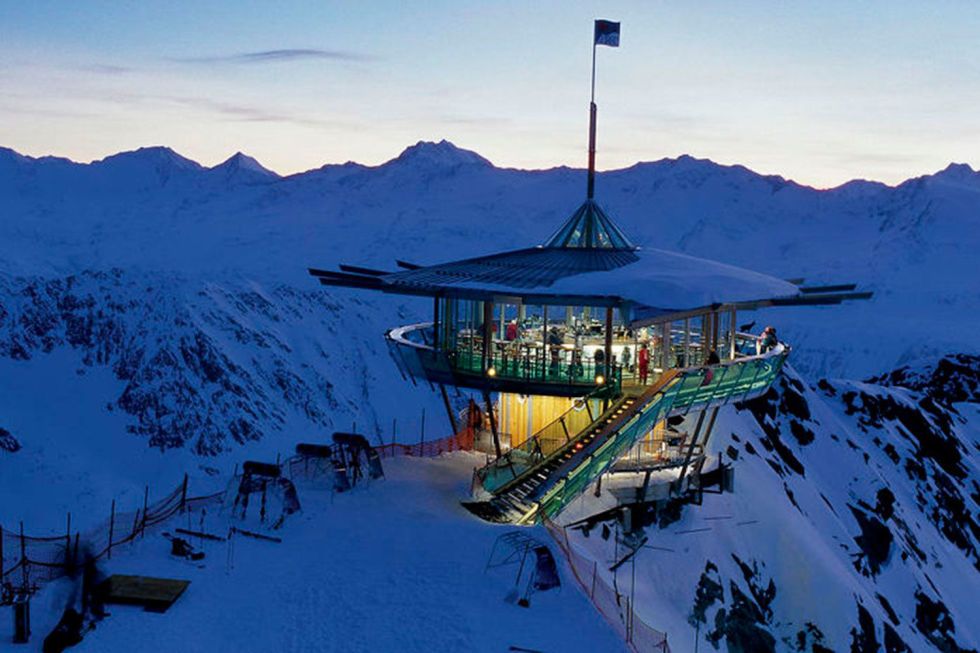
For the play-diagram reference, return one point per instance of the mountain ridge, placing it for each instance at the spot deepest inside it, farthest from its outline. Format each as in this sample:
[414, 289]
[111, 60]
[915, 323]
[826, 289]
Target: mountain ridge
[447, 153]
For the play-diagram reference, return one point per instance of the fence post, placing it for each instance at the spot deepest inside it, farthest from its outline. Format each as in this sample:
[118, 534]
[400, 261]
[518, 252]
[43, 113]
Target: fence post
[23, 555]
[112, 525]
[183, 494]
[146, 496]
[68, 562]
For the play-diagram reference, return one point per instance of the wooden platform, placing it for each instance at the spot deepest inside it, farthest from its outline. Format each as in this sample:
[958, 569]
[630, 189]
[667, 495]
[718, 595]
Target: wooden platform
[154, 594]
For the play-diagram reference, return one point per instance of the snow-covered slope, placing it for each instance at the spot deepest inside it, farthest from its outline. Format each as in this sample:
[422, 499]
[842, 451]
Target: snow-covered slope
[148, 303]
[852, 527]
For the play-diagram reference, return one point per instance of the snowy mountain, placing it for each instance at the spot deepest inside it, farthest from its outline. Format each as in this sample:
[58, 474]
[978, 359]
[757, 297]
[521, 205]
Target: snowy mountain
[156, 317]
[852, 526]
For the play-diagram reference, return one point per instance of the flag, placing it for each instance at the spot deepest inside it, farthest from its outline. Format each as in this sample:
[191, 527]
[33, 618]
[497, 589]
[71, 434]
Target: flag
[607, 33]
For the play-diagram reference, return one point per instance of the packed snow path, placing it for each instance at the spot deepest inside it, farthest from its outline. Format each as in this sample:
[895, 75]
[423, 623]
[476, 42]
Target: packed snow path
[394, 566]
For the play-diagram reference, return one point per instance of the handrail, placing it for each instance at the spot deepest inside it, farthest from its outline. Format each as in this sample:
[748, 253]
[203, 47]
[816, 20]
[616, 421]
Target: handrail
[668, 394]
[532, 446]
[397, 334]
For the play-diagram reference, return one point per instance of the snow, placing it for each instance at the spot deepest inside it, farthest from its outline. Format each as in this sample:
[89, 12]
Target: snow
[146, 272]
[670, 280]
[396, 565]
[807, 545]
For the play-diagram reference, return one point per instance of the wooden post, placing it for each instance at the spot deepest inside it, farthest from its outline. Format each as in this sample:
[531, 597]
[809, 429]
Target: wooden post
[112, 525]
[23, 556]
[146, 497]
[68, 564]
[183, 494]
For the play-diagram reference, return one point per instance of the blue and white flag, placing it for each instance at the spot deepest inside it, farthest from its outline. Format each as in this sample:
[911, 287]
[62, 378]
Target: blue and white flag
[607, 33]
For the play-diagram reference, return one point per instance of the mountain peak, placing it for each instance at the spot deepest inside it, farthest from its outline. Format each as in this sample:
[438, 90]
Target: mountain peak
[957, 171]
[442, 154]
[156, 155]
[240, 163]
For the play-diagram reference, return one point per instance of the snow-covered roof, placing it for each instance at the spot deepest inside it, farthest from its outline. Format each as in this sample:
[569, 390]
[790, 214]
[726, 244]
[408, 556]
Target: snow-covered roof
[654, 278]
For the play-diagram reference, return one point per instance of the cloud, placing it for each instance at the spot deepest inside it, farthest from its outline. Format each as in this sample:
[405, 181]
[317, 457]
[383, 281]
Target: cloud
[104, 69]
[272, 56]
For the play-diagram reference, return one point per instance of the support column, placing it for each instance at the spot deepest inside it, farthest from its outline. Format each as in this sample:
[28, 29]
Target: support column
[608, 343]
[545, 347]
[449, 408]
[714, 330]
[487, 335]
[493, 423]
[435, 323]
[694, 441]
[687, 342]
[733, 329]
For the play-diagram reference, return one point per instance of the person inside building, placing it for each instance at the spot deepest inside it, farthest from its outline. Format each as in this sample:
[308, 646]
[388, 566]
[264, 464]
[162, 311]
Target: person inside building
[709, 372]
[767, 341]
[643, 362]
[555, 364]
[512, 331]
[554, 337]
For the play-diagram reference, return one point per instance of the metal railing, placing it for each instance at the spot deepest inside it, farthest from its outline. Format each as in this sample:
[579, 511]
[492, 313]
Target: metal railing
[691, 388]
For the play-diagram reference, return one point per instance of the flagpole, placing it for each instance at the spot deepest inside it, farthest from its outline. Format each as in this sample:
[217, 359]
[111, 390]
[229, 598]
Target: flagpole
[592, 116]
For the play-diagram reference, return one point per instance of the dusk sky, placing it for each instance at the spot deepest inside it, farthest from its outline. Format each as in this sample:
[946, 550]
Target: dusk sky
[818, 92]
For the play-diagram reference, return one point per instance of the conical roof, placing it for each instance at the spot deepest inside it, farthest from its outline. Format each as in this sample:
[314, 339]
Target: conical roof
[590, 228]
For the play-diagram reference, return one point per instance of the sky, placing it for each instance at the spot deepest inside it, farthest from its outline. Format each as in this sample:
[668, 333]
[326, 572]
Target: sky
[817, 92]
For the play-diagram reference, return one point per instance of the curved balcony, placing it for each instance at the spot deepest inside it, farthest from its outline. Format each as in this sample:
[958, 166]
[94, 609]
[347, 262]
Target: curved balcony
[525, 368]
[518, 368]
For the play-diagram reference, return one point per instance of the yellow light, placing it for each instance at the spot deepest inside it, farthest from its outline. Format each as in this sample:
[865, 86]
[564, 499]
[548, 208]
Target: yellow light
[491, 371]
[600, 379]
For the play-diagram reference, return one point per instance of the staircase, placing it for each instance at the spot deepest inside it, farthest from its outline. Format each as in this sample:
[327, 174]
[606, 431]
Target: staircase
[552, 481]
[510, 500]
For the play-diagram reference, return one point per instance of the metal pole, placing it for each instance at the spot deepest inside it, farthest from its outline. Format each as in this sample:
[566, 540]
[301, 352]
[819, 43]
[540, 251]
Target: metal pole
[592, 121]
